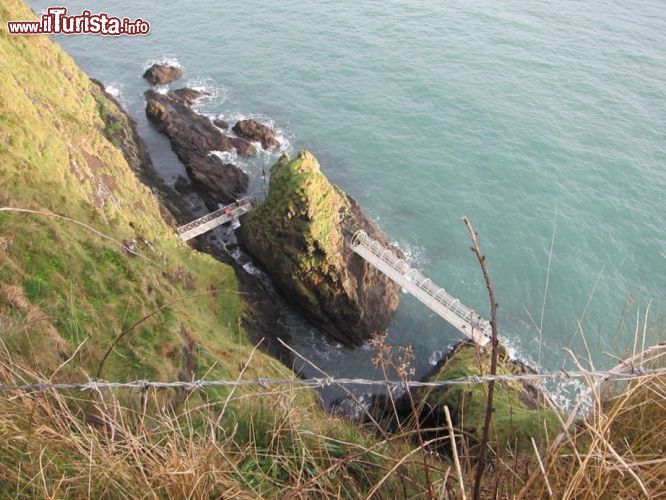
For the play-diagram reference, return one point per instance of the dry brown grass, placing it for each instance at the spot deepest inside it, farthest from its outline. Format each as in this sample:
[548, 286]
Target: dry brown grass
[267, 444]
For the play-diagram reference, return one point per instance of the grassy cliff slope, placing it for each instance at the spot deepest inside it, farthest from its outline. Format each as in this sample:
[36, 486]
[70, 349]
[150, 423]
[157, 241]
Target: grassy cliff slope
[64, 288]
[93, 262]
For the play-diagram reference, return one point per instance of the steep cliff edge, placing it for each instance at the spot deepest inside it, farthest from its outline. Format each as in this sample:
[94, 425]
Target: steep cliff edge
[300, 234]
[66, 148]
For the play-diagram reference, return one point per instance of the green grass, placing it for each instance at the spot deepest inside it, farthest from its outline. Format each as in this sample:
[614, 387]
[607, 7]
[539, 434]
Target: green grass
[515, 421]
[66, 294]
[301, 196]
[57, 155]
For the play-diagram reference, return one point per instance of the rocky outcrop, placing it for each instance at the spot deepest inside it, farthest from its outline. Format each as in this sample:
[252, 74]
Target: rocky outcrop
[300, 235]
[220, 123]
[520, 412]
[159, 74]
[193, 137]
[187, 95]
[254, 131]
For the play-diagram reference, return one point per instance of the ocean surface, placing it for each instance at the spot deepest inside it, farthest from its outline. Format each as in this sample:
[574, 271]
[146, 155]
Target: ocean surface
[543, 122]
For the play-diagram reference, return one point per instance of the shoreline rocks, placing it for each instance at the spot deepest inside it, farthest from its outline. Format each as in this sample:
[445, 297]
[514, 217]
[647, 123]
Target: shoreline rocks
[193, 138]
[121, 130]
[220, 123]
[520, 410]
[300, 235]
[160, 74]
[188, 95]
[254, 131]
[263, 313]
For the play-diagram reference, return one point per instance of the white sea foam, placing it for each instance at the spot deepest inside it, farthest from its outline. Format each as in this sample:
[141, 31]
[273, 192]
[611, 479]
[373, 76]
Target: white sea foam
[226, 156]
[215, 93]
[112, 90]
[435, 358]
[564, 393]
[252, 269]
[415, 255]
[162, 89]
[166, 60]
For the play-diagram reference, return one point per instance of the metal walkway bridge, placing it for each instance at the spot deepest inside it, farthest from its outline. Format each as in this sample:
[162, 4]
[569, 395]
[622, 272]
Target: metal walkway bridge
[215, 219]
[437, 299]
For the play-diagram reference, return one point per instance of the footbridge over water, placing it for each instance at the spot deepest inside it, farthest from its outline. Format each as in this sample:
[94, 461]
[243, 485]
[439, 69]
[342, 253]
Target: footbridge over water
[434, 297]
[217, 218]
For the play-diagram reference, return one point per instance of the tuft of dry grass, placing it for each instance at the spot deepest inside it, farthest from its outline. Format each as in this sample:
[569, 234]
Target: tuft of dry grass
[266, 443]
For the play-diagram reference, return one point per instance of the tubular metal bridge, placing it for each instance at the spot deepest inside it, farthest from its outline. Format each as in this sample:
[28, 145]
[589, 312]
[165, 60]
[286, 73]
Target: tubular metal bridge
[215, 219]
[434, 297]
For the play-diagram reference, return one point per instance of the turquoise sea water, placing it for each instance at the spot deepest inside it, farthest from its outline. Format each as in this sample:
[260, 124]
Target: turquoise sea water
[532, 118]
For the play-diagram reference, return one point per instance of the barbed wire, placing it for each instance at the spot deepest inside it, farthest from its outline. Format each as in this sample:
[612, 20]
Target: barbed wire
[318, 383]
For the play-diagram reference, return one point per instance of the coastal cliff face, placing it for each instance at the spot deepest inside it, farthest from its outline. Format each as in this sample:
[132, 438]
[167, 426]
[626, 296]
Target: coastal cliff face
[300, 235]
[67, 148]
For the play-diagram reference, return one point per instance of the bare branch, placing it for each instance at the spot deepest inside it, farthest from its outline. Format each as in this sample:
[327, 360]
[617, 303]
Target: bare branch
[493, 363]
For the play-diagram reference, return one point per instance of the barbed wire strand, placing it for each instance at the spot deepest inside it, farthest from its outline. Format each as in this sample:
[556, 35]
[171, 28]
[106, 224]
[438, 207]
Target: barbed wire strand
[96, 385]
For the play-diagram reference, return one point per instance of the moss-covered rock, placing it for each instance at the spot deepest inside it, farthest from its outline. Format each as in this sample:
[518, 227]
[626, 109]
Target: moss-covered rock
[519, 412]
[300, 234]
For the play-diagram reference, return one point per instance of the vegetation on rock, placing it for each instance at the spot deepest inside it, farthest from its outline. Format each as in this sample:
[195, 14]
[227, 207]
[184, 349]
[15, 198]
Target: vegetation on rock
[96, 261]
[519, 411]
[300, 233]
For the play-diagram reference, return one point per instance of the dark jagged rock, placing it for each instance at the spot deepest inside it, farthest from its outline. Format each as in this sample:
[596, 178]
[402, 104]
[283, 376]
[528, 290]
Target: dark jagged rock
[187, 95]
[159, 74]
[182, 185]
[226, 181]
[300, 234]
[193, 137]
[254, 131]
[223, 124]
[243, 147]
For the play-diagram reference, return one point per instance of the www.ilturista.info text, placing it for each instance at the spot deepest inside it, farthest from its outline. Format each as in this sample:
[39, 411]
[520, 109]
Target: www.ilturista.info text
[56, 21]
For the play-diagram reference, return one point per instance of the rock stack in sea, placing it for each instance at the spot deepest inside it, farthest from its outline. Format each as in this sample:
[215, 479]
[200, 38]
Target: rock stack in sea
[300, 234]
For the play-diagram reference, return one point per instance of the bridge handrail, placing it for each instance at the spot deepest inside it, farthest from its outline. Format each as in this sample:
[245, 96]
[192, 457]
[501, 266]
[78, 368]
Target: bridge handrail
[239, 207]
[361, 238]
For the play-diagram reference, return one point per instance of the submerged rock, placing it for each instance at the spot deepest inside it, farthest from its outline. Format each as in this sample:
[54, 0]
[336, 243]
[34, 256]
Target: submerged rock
[300, 234]
[159, 74]
[254, 131]
[193, 137]
[243, 147]
[187, 95]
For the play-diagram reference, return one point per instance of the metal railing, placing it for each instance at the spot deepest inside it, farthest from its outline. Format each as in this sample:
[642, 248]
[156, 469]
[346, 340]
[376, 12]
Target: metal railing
[230, 211]
[438, 294]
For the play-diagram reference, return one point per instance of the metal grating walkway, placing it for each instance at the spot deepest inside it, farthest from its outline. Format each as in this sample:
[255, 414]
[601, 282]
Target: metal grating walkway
[436, 298]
